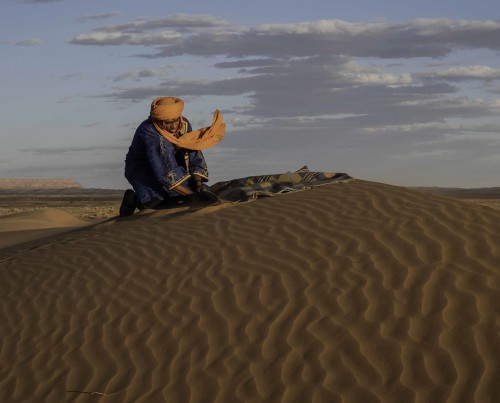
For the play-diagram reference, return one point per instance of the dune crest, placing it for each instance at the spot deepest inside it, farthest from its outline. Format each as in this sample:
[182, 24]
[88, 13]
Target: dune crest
[355, 292]
[19, 228]
[38, 219]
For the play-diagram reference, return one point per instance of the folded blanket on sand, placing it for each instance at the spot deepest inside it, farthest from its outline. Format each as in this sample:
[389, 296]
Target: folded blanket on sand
[253, 187]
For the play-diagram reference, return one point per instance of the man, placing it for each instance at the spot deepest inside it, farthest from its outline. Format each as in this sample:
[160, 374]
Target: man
[164, 161]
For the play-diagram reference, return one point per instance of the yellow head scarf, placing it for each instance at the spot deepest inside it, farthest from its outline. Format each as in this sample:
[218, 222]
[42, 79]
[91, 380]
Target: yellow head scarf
[167, 108]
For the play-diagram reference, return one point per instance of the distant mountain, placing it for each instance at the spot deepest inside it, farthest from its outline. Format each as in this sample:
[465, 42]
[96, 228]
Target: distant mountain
[27, 184]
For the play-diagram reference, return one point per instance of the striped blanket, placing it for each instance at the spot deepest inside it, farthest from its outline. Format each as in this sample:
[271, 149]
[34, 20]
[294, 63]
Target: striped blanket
[253, 187]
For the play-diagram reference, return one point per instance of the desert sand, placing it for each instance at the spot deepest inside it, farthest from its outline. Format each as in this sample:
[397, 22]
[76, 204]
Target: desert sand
[352, 292]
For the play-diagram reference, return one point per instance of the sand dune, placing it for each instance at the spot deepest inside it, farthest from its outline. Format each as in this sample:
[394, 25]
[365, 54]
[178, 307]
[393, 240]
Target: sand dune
[354, 292]
[28, 226]
[37, 219]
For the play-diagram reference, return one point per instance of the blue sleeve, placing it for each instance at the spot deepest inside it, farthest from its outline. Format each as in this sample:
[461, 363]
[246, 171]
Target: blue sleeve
[161, 157]
[197, 165]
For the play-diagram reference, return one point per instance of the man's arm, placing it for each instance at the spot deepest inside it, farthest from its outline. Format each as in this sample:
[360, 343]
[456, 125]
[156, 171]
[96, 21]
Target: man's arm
[198, 168]
[160, 153]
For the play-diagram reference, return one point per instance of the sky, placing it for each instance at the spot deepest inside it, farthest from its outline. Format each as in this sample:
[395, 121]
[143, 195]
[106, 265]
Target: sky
[399, 92]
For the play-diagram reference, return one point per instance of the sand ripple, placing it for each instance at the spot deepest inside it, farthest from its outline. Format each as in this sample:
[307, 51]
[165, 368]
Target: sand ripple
[358, 292]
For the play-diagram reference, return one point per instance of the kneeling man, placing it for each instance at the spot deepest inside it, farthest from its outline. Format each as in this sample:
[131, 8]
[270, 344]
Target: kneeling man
[165, 160]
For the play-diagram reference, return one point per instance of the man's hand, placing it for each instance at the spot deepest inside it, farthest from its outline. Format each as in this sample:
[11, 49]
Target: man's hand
[182, 190]
[198, 182]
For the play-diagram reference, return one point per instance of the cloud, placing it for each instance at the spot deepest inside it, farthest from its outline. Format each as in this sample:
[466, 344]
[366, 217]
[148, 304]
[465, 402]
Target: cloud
[97, 17]
[182, 22]
[121, 38]
[137, 32]
[209, 36]
[439, 127]
[312, 68]
[371, 78]
[281, 95]
[247, 63]
[332, 85]
[147, 73]
[25, 42]
[464, 73]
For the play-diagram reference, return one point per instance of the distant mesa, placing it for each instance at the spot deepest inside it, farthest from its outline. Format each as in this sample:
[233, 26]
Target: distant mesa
[27, 184]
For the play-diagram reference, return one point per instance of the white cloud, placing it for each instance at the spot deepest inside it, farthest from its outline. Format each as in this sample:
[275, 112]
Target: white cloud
[322, 27]
[384, 40]
[461, 103]
[97, 17]
[146, 73]
[372, 78]
[465, 73]
[205, 35]
[120, 38]
[181, 22]
[441, 127]
[445, 26]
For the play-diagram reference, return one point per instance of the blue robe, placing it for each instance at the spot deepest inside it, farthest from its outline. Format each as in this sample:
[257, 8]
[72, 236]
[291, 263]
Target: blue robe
[154, 166]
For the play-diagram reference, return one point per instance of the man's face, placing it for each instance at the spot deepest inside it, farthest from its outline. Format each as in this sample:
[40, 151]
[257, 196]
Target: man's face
[171, 125]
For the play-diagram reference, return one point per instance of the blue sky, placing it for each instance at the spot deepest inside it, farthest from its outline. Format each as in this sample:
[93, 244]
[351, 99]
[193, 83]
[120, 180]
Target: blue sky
[391, 91]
